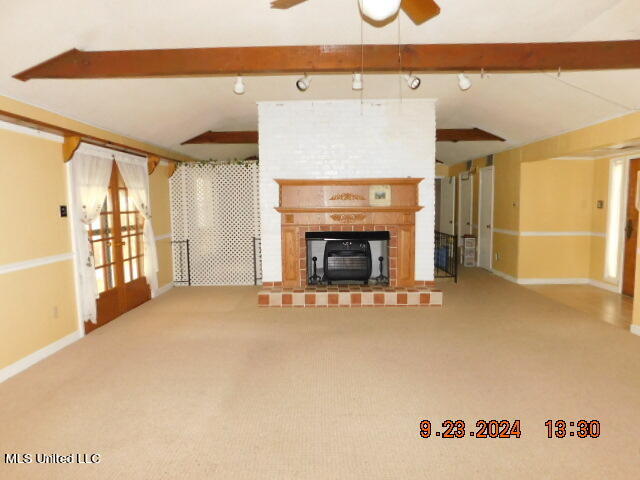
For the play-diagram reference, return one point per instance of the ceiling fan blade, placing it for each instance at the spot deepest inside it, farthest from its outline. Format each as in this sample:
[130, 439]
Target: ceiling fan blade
[283, 4]
[420, 10]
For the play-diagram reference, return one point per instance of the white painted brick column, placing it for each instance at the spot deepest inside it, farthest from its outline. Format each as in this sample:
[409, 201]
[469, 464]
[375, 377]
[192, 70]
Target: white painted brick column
[346, 139]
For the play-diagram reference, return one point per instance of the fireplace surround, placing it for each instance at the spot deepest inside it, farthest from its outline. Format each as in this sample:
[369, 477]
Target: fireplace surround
[349, 210]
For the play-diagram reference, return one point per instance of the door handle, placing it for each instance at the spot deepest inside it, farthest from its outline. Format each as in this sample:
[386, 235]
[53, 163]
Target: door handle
[488, 226]
[628, 229]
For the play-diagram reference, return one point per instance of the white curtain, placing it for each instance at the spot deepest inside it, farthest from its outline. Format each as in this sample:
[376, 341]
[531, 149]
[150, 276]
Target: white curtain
[136, 178]
[90, 175]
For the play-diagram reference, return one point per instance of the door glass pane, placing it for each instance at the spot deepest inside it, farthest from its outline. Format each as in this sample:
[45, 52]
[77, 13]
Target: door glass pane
[127, 271]
[133, 242]
[100, 279]
[134, 268]
[123, 200]
[110, 276]
[98, 253]
[125, 248]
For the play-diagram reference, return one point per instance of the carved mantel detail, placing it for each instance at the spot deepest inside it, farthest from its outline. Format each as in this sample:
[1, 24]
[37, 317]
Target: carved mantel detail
[347, 196]
[348, 217]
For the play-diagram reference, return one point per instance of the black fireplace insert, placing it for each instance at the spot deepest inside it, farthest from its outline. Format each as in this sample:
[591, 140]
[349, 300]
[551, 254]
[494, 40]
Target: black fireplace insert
[347, 258]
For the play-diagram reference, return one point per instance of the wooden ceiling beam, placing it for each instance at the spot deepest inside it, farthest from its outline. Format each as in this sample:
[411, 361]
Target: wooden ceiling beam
[466, 135]
[224, 137]
[442, 135]
[490, 57]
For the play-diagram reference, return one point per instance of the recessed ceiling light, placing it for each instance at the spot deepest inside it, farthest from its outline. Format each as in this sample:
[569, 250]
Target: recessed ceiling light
[412, 81]
[357, 81]
[303, 83]
[238, 87]
[463, 82]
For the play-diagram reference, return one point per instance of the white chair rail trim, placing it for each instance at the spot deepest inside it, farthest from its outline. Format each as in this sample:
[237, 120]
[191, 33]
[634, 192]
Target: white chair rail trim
[35, 262]
[550, 234]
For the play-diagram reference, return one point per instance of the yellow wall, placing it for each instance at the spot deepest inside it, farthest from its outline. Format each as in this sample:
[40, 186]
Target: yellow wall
[535, 193]
[161, 212]
[37, 304]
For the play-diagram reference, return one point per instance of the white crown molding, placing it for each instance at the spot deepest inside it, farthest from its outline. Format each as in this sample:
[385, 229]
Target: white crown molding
[34, 132]
[35, 262]
[26, 362]
[163, 236]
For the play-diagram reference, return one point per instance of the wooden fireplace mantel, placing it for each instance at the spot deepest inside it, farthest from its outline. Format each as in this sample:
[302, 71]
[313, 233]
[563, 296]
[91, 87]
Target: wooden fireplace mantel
[409, 208]
[345, 205]
[349, 181]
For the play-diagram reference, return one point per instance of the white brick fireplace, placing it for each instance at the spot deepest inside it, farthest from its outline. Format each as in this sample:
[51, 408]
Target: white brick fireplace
[346, 139]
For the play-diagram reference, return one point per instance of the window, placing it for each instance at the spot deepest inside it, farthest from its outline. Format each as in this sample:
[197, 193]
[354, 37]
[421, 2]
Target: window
[615, 219]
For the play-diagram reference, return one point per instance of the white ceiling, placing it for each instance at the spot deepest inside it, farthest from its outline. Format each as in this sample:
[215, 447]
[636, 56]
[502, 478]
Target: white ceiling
[519, 107]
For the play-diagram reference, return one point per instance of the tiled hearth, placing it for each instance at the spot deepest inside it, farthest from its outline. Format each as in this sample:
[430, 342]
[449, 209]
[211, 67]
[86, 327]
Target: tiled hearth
[350, 296]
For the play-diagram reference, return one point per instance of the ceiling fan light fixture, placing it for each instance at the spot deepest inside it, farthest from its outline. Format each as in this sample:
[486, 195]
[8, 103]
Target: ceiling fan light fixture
[357, 81]
[379, 10]
[238, 87]
[463, 82]
[303, 83]
[413, 82]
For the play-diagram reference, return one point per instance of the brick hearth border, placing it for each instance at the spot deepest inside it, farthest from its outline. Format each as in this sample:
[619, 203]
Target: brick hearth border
[350, 296]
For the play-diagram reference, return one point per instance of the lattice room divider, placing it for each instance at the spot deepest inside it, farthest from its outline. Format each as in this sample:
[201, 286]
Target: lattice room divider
[217, 209]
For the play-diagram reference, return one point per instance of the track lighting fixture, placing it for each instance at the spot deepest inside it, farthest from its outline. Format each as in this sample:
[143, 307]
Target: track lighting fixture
[303, 83]
[357, 81]
[412, 81]
[463, 82]
[238, 87]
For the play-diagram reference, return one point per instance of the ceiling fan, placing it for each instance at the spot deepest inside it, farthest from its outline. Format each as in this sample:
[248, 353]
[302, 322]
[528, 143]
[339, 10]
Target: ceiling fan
[379, 10]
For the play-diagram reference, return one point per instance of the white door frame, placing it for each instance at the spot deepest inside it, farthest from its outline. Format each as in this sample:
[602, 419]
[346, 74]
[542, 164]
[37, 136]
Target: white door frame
[626, 161]
[481, 221]
[460, 226]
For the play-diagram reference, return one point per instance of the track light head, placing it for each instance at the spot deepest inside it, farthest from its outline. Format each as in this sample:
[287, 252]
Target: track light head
[303, 83]
[238, 87]
[463, 82]
[357, 81]
[412, 81]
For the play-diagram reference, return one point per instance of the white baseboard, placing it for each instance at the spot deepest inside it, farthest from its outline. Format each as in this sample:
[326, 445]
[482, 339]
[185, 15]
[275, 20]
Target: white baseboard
[162, 290]
[605, 286]
[635, 329]
[26, 362]
[553, 281]
[557, 281]
[504, 275]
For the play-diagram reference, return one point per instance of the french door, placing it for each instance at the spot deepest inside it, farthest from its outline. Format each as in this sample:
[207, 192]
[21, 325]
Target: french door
[117, 244]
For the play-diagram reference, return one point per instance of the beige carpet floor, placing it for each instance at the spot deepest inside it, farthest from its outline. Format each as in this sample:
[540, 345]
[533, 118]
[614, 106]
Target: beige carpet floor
[201, 384]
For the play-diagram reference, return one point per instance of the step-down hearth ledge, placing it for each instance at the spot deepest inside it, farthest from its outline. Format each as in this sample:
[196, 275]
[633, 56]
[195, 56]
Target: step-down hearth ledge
[350, 296]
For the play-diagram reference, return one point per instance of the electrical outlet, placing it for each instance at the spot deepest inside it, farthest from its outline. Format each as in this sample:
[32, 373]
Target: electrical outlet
[63, 211]
[600, 204]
